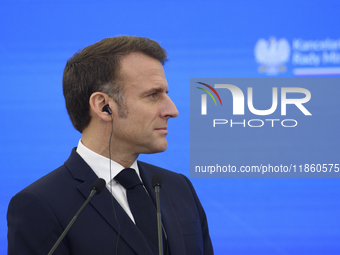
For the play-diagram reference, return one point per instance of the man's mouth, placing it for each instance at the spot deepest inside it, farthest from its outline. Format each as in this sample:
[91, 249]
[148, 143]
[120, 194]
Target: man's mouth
[162, 130]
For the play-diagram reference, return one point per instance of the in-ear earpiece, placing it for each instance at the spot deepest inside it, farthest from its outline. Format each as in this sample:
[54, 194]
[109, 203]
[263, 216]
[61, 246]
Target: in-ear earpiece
[107, 109]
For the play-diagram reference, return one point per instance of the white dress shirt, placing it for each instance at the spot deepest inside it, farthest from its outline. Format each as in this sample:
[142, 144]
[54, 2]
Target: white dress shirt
[101, 167]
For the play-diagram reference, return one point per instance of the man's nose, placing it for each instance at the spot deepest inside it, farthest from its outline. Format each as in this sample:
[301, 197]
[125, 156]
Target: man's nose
[170, 109]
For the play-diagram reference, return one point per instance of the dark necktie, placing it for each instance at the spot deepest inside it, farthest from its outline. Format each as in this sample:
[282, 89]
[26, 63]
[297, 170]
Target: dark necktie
[142, 208]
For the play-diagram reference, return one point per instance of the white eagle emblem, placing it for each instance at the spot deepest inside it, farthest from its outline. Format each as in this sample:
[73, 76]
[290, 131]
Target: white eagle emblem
[272, 55]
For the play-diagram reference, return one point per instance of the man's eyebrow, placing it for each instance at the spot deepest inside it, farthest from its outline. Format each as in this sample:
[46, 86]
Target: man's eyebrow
[154, 90]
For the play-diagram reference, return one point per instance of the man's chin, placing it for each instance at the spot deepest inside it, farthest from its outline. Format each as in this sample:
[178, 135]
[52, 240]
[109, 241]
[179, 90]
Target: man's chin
[157, 149]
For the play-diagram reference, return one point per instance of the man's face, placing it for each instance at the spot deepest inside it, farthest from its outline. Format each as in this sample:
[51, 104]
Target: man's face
[144, 129]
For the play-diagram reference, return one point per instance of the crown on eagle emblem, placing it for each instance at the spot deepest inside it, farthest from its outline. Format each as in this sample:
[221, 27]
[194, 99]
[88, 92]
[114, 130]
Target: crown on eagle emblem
[272, 55]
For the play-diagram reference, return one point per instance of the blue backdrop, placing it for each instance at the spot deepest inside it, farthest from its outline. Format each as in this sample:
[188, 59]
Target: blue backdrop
[203, 39]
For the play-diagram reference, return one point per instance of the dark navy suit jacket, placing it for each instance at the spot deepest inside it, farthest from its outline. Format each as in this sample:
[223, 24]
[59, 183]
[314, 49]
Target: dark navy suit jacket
[38, 214]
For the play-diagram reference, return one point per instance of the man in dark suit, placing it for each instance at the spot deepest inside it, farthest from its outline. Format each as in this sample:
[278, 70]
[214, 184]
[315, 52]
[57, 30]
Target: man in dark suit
[116, 96]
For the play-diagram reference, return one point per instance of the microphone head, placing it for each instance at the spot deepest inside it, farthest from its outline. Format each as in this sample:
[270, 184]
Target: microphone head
[98, 185]
[156, 180]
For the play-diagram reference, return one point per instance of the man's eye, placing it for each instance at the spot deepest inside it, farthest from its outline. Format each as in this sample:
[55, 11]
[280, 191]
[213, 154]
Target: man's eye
[153, 95]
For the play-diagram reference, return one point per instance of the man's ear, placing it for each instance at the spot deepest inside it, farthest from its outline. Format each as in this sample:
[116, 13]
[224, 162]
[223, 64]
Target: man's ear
[101, 106]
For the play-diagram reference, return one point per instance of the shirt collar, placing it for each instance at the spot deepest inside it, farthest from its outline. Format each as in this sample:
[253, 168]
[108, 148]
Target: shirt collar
[100, 164]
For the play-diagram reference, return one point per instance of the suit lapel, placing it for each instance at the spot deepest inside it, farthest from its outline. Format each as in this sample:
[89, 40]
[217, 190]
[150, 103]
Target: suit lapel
[103, 205]
[169, 218]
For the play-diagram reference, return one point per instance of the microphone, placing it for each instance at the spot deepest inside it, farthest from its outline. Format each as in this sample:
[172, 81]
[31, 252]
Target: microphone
[96, 188]
[156, 180]
[156, 184]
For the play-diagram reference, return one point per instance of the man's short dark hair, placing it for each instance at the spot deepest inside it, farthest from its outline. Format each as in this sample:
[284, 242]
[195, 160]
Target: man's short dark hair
[96, 68]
